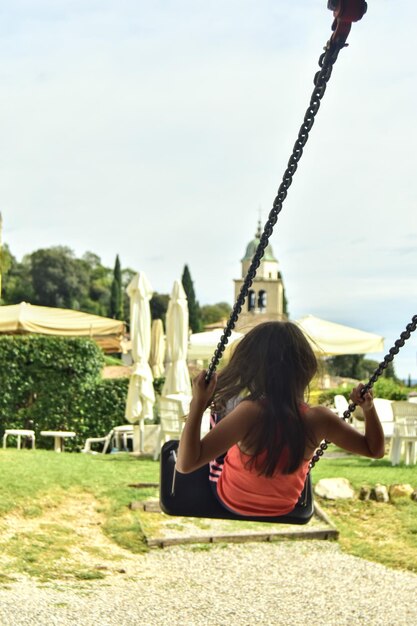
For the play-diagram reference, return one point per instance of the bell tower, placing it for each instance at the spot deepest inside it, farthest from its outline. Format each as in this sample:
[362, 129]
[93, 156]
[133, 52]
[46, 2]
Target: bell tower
[265, 300]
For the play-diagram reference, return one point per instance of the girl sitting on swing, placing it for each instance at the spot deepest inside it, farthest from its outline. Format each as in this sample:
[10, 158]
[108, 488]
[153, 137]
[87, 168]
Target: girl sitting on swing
[265, 434]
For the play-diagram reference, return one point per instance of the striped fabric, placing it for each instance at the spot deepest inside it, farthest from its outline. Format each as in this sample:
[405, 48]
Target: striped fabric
[216, 465]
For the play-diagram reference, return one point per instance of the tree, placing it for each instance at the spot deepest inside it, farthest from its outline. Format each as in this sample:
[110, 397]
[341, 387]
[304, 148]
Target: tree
[347, 365]
[127, 275]
[99, 280]
[16, 279]
[285, 303]
[5, 262]
[159, 306]
[368, 368]
[57, 279]
[116, 295]
[193, 306]
[389, 372]
[212, 313]
[356, 366]
[284, 298]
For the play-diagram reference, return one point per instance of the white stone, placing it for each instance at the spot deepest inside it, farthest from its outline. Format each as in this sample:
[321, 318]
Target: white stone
[380, 493]
[334, 488]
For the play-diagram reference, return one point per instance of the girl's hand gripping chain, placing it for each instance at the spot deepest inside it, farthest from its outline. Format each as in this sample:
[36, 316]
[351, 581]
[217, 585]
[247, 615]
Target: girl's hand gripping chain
[202, 391]
[365, 401]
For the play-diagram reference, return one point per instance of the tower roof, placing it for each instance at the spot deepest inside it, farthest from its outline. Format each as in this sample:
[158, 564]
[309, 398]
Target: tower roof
[252, 245]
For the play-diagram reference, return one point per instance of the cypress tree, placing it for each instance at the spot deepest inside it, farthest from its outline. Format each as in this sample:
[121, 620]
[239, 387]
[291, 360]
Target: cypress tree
[193, 306]
[389, 372]
[116, 295]
[284, 299]
[284, 303]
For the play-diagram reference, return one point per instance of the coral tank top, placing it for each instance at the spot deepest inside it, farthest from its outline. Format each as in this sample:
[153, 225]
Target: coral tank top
[242, 490]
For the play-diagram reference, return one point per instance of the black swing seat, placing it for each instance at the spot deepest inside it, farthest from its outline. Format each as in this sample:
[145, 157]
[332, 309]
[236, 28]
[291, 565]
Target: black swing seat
[190, 495]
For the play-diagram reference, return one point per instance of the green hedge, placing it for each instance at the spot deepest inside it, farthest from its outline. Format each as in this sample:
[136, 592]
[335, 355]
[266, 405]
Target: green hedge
[102, 407]
[383, 388]
[54, 383]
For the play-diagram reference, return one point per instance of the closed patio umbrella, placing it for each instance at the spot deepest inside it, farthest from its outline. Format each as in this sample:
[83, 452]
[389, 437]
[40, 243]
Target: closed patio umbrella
[177, 378]
[140, 397]
[156, 359]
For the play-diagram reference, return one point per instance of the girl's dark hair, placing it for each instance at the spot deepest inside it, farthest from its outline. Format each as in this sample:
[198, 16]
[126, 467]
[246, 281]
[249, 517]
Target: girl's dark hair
[273, 363]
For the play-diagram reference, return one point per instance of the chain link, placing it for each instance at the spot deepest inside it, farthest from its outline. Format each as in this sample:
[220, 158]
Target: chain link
[410, 328]
[326, 61]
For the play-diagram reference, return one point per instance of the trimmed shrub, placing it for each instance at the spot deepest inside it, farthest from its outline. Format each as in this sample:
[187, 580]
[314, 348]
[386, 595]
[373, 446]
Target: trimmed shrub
[100, 408]
[53, 383]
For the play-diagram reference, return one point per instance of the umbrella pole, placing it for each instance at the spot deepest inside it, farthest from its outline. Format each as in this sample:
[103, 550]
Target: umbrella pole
[142, 435]
[137, 439]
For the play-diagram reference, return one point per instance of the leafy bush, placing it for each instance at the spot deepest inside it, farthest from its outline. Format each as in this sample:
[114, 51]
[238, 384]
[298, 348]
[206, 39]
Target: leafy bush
[383, 388]
[326, 396]
[158, 384]
[53, 383]
[388, 388]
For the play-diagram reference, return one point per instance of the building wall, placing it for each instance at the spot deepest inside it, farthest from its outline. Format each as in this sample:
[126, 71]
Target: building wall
[252, 313]
[267, 269]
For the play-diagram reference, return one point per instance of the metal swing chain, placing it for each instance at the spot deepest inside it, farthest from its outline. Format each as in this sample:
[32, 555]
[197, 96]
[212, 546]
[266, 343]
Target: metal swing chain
[410, 328]
[326, 62]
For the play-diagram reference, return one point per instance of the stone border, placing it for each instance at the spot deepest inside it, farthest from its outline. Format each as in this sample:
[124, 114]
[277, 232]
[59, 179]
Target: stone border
[329, 531]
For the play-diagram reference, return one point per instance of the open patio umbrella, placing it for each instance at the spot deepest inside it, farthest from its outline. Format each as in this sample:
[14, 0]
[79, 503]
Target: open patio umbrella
[140, 396]
[156, 359]
[24, 318]
[202, 345]
[329, 338]
[177, 378]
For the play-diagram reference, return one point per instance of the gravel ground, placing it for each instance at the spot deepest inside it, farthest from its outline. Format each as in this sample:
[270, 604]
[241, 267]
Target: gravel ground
[273, 584]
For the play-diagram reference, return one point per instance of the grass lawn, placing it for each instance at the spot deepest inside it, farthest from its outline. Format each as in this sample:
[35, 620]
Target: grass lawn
[385, 533]
[36, 485]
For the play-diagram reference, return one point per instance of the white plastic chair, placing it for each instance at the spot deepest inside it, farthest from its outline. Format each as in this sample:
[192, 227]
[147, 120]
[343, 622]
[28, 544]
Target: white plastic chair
[171, 421]
[356, 419]
[403, 409]
[405, 435]
[341, 404]
[405, 432]
[386, 415]
[119, 436]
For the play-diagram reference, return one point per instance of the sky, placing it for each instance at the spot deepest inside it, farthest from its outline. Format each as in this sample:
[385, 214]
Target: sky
[160, 131]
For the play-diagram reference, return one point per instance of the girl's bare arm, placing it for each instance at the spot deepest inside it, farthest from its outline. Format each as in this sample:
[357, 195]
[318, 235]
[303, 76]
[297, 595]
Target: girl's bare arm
[329, 426]
[194, 452]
